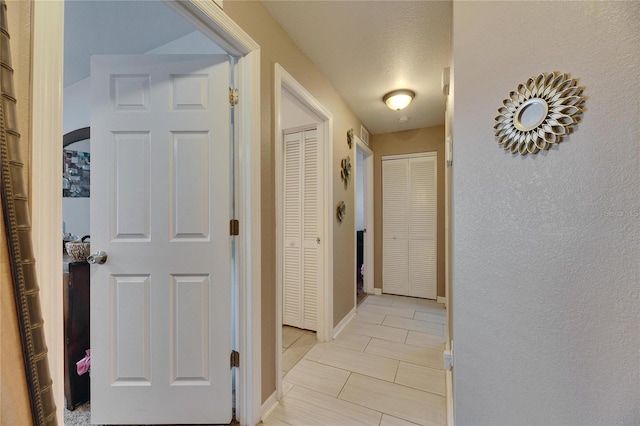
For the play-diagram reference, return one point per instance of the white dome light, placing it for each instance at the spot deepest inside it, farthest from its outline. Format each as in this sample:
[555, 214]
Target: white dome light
[398, 99]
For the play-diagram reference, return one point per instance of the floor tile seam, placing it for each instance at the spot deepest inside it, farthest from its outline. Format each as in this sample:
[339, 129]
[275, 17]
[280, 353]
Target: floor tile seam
[398, 416]
[390, 326]
[412, 319]
[328, 365]
[415, 307]
[368, 343]
[425, 366]
[364, 352]
[437, 352]
[404, 386]
[384, 308]
[427, 347]
[296, 339]
[319, 391]
[402, 360]
[421, 390]
[364, 374]
[408, 330]
[297, 347]
[355, 403]
[364, 406]
[377, 337]
[344, 384]
[349, 347]
[397, 369]
[280, 421]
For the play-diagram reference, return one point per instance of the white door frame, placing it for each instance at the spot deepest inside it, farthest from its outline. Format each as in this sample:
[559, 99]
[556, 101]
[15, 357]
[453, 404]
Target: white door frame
[47, 77]
[368, 259]
[285, 82]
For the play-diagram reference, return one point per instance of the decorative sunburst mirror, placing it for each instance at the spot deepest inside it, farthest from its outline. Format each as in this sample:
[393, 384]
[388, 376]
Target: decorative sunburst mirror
[539, 113]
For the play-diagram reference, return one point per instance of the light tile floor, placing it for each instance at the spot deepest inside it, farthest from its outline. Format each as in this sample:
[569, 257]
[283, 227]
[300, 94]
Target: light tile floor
[295, 344]
[385, 368]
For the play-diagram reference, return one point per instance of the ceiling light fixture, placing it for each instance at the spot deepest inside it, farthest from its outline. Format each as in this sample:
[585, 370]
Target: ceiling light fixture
[398, 99]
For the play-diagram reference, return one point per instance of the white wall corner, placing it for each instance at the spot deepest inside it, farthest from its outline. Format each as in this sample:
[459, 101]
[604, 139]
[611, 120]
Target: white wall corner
[269, 405]
[342, 324]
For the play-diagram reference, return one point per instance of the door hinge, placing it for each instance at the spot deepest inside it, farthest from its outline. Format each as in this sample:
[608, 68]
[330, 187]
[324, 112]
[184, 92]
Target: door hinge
[233, 97]
[234, 227]
[235, 359]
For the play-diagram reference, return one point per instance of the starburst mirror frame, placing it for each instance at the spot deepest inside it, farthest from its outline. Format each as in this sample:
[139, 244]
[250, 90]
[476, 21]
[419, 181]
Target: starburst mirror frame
[539, 113]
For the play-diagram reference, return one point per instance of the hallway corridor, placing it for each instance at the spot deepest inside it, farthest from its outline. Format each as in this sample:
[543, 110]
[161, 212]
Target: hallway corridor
[385, 368]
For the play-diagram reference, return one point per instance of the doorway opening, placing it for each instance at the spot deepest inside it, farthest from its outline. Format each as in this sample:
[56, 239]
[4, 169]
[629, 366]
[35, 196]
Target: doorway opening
[303, 144]
[47, 130]
[167, 33]
[364, 220]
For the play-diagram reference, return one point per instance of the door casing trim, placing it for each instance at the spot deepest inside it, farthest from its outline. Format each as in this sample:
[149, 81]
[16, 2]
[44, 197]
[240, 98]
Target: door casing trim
[283, 81]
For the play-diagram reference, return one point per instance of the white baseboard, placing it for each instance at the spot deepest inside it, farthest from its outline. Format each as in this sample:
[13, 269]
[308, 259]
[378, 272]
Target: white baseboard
[342, 324]
[269, 405]
[449, 398]
[442, 300]
[377, 291]
[449, 386]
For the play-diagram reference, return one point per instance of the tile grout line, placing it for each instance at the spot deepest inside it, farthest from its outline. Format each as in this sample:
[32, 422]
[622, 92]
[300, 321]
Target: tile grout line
[386, 343]
[383, 412]
[355, 403]
[344, 384]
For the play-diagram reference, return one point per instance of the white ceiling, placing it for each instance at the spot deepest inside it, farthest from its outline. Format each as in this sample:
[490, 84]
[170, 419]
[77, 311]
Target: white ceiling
[368, 48]
[114, 27]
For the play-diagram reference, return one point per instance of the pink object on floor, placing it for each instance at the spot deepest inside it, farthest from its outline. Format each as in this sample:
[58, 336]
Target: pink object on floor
[84, 364]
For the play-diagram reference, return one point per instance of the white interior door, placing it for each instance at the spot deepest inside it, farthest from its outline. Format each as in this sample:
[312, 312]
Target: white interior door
[409, 225]
[301, 257]
[160, 208]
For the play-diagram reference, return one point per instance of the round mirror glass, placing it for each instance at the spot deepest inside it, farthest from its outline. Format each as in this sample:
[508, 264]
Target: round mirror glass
[530, 114]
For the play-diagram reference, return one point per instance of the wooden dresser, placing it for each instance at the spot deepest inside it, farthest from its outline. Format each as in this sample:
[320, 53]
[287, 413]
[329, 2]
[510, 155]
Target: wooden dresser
[76, 330]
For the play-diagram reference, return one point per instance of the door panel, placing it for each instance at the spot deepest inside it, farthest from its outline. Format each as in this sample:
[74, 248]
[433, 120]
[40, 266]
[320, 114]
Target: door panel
[160, 208]
[409, 226]
[301, 257]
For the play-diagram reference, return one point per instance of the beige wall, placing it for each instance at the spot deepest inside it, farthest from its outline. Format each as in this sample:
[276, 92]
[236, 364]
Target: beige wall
[277, 47]
[14, 400]
[411, 141]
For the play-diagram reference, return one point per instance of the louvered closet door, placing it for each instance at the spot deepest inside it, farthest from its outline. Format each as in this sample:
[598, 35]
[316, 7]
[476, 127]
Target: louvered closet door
[409, 226]
[395, 227]
[301, 257]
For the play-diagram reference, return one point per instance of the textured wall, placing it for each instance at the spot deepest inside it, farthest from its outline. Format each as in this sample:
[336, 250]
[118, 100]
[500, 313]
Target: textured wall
[276, 46]
[407, 142]
[547, 247]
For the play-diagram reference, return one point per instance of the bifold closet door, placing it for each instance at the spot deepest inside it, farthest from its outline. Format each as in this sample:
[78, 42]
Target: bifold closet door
[301, 230]
[409, 210]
